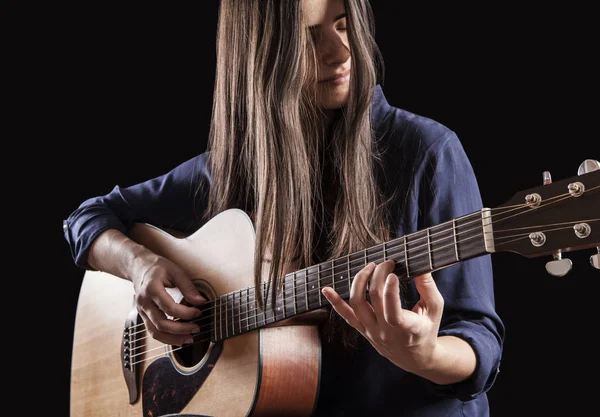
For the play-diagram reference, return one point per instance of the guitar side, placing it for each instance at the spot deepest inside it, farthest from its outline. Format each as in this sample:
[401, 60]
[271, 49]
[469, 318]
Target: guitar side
[269, 371]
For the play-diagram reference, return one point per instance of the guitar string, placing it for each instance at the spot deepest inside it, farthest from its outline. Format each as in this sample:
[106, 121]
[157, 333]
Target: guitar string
[264, 312]
[258, 319]
[390, 252]
[265, 320]
[210, 305]
[249, 314]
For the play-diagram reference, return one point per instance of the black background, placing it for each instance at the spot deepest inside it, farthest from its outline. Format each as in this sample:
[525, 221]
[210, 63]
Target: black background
[115, 93]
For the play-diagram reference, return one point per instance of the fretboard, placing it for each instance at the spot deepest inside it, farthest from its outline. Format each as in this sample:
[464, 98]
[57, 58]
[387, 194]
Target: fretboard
[415, 254]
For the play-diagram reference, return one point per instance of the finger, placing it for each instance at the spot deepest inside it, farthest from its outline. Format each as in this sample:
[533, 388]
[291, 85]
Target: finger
[391, 301]
[187, 288]
[164, 337]
[431, 298]
[167, 305]
[358, 301]
[342, 308]
[164, 324]
[377, 286]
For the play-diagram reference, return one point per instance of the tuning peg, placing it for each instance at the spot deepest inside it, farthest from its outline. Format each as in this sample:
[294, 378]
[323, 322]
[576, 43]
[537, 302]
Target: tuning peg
[588, 165]
[546, 177]
[559, 266]
[595, 259]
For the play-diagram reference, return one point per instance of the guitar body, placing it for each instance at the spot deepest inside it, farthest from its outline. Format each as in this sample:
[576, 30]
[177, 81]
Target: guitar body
[261, 363]
[268, 371]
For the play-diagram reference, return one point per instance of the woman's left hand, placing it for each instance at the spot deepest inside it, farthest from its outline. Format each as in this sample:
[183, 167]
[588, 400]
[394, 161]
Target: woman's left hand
[408, 338]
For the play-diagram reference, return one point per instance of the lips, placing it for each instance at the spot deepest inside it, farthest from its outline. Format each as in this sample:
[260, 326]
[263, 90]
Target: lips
[336, 76]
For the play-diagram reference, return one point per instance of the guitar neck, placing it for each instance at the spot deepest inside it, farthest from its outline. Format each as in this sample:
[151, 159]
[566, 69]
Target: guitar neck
[415, 254]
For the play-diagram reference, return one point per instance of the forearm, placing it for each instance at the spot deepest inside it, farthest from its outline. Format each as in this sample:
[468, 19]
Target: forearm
[453, 360]
[115, 253]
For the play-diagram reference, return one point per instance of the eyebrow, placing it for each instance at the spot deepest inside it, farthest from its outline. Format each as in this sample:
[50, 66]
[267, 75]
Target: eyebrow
[335, 19]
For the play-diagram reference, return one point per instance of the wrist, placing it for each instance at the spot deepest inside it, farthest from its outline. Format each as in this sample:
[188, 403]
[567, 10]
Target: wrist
[140, 259]
[450, 360]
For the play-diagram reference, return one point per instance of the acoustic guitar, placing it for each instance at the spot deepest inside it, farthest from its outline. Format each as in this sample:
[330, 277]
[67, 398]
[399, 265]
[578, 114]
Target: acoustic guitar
[243, 363]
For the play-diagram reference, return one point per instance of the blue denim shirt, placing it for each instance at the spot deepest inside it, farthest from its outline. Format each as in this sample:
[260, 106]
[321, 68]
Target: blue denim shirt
[428, 179]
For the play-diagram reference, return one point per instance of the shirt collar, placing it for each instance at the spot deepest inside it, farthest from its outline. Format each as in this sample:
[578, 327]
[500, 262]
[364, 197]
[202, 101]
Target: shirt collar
[379, 106]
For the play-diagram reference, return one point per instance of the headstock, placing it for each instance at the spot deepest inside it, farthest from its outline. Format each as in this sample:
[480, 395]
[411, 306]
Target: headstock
[553, 218]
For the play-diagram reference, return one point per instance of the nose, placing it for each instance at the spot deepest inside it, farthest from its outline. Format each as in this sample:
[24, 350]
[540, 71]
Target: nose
[334, 51]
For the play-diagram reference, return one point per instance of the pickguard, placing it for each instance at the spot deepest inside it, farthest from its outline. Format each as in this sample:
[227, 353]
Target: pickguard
[166, 391]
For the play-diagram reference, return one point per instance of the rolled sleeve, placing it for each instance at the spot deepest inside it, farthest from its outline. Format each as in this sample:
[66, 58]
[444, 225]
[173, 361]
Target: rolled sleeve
[488, 360]
[447, 189]
[169, 201]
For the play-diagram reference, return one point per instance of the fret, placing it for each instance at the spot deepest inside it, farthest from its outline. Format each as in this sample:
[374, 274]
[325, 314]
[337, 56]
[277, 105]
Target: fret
[215, 320]
[221, 315]
[265, 297]
[384, 253]
[306, 289]
[319, 283]
[455, 239]
[240, 311]
[294, 294]
[233, 313]
[251, 308]
[406, 257]
[348, 268]
[333, 274]
[429, 251]
[227, 323]
[283, 296]
[231, 321]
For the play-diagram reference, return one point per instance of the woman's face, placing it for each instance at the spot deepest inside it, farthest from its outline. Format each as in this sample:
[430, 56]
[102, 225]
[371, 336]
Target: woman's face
[326, 21]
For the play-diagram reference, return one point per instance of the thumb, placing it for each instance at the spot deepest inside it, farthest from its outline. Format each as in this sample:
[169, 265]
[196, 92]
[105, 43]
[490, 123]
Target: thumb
[187, 288]
[430, 295]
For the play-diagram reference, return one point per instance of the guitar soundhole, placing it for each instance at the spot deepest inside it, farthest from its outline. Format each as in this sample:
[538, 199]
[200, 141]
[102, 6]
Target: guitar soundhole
[190, 357]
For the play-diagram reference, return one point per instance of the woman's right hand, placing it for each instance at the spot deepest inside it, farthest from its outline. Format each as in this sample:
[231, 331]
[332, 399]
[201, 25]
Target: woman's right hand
[151, 277]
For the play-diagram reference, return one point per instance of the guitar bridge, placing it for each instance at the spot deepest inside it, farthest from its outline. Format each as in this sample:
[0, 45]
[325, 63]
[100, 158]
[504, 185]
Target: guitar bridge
[129, 345]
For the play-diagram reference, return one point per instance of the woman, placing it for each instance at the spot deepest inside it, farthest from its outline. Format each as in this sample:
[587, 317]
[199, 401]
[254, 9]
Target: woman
[303, 140]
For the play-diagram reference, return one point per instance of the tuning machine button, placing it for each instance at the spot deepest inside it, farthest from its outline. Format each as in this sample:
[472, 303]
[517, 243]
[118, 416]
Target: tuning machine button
[595, 259]
[588, 165]
[559, 266]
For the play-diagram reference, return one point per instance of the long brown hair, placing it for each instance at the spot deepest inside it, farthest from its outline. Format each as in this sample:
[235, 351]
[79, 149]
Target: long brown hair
[267, 133]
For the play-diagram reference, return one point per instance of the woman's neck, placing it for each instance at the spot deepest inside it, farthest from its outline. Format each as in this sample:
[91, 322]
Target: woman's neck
[328, 119]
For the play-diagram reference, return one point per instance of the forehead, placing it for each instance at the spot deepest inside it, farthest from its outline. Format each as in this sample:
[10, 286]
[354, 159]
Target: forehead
[318, 12]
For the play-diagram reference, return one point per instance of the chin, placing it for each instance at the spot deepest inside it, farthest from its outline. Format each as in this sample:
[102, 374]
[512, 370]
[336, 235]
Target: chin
[332, 100]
